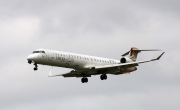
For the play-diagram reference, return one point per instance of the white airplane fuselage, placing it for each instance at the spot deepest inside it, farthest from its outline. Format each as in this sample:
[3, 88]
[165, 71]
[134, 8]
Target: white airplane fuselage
[68, 60]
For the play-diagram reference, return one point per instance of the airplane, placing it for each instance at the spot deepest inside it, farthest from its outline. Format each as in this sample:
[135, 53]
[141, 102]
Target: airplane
[85, 66]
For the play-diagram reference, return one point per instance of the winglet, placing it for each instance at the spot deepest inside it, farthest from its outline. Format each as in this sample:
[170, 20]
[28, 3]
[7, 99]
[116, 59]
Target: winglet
[158, 57]
[125, 53]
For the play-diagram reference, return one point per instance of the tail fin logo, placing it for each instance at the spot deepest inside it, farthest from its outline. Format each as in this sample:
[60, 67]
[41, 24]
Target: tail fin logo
[133, 53]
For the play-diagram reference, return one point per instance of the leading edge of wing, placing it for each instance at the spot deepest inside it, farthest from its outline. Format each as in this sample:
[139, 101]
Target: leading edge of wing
[50, 74]
[72, 73]
[126, 64]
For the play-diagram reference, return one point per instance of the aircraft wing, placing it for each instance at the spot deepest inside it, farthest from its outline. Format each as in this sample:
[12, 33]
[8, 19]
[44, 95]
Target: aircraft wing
[132, 64]
[72, 73]
[76, 73]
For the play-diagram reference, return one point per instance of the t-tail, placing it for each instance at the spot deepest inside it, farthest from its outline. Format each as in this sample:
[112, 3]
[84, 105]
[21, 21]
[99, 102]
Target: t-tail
[133, 53]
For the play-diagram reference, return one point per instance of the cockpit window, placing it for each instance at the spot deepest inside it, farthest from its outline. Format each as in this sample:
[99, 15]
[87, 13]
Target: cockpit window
[42, 51]
[39, 52]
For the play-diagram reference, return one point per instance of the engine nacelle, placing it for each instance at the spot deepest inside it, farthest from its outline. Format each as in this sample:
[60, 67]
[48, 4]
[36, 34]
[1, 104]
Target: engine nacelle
[125, 60]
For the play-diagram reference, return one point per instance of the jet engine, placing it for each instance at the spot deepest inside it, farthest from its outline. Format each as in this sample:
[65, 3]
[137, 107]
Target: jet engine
[125, 60]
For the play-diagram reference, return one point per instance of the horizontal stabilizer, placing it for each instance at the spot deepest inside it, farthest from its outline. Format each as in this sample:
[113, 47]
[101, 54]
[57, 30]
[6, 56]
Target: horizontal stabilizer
[148, 50]
[126, 53]
[140, 51]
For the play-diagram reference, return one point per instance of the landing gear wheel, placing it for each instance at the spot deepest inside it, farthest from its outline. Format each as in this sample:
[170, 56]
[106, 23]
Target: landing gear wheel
[35, 68]
[84, 80]
[29, 61]
[103, 77]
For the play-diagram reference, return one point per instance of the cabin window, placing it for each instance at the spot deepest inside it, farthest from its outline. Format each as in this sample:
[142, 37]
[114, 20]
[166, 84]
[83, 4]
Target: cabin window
[36, 52]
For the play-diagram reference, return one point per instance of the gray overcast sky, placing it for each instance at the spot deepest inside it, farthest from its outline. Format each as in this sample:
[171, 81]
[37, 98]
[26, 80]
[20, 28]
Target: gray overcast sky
[105, 28]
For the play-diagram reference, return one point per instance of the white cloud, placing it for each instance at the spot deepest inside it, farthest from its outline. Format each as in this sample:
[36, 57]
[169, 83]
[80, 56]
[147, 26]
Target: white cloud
[18, 32]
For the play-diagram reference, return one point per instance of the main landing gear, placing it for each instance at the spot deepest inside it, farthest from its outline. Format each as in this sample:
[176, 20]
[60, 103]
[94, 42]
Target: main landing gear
[103, 77]
[84, 80]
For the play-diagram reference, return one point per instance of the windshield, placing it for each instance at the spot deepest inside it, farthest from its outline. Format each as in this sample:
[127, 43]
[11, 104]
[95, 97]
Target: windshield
[39, 52]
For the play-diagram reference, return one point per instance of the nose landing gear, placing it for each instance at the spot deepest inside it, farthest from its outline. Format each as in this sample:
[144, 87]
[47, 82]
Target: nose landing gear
[36, 67]
[35, 64]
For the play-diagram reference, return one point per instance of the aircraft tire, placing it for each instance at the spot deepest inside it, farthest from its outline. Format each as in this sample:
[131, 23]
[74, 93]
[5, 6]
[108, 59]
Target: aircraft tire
[35, 68]
[103, 77]
[84, 80]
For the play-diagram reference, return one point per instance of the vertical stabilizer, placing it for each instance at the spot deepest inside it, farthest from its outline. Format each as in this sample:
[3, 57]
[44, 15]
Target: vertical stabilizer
[134, 53]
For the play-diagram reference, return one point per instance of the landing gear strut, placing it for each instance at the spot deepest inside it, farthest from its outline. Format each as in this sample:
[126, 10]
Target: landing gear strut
[36, 67]
[103, 77]
[84, 80]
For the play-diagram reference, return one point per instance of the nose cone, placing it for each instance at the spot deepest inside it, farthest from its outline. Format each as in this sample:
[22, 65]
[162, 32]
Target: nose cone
[32, 57]
[29, 57]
